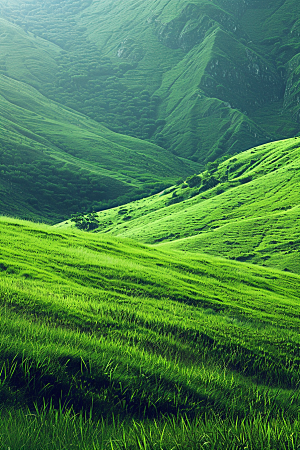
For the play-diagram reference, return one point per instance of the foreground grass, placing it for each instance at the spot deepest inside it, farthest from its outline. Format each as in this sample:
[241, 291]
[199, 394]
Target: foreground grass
[59, 430]
[118, 345]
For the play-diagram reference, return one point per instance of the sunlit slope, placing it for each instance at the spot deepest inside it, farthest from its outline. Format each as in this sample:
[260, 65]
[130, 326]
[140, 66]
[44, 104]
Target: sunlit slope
[58, 138]
[96, 320]
[26, 57]
[246, 208]
[220, 90]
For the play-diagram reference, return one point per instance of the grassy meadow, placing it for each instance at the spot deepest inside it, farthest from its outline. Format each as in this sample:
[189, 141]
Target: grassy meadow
[107, 343]
[244, 208]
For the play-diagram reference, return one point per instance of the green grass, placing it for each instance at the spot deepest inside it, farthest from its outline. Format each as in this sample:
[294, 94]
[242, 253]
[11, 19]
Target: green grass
[56, 430]
[176, 349]
[141, 335]
[250, 212]
[56, 161]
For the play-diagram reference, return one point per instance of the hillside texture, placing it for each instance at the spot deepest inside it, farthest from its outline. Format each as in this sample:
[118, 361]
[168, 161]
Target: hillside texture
[159, 349]
[245, 208]
[55, 161]
[169, 318]
[199, 79]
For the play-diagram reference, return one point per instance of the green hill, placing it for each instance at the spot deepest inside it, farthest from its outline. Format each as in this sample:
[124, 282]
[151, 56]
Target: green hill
[55, 161]
[202, 79]
[245, 208]
[173, 323]
[223, 70]
[197, 80]
[175, 347]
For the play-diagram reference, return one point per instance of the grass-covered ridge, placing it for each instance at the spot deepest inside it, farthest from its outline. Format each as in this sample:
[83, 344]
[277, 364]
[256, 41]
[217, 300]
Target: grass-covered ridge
[94, 321]
[245, 208]
[220, 62]
[203, 78]
[56, 161]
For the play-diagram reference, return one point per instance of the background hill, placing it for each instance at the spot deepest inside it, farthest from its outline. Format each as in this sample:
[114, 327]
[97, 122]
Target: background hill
[226, 61]
[55, 161]
[201, 80]
[246, 208]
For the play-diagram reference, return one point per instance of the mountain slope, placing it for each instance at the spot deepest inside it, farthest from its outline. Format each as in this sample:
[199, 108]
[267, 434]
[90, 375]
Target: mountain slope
[219, 56]
[245, 208]
[55, 161]
[26, 57]
[202, 79]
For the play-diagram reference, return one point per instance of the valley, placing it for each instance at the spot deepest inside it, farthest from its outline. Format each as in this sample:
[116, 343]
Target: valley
[149, 224]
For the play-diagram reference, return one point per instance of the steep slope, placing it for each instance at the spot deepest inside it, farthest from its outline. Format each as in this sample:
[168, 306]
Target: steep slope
[111, 327]
[55, 161]
[26, 57]
[219, 63]
[245, 208]
[202, 78]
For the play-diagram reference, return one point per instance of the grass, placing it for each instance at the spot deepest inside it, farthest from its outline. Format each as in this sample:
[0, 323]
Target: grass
[251, 212]
[124, 346]
[58, 430]
[36, 131]
[132, 337]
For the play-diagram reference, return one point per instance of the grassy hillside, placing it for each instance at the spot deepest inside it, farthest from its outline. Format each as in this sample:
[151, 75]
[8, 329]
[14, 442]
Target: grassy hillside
[233, 52]
[161, 328]
[55, 161]
[245, 208]
[202, 79]
[198, 352]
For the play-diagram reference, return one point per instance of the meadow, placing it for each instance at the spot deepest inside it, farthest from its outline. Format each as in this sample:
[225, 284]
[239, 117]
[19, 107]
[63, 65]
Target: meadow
[244, 208]
[107, 343]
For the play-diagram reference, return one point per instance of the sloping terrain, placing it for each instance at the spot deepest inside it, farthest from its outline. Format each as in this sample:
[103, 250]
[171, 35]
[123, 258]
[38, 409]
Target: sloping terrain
[203, 78]
[108, 326]
[55, 161]
[245, 208]
[226, 61]
[161, 328]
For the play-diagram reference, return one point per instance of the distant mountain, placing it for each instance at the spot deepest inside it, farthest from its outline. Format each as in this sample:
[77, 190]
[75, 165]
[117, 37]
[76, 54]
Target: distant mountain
[197, 81]
[225, 71]
[246, 208]
[201, 79]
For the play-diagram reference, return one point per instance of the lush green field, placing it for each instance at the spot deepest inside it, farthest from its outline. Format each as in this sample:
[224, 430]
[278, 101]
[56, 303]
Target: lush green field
[113, 344]
[173, 323]
[244, 208]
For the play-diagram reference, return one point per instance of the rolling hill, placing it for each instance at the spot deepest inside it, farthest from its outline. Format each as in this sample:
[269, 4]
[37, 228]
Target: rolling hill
[173, 322]
[245, 208]
[106, 341]
[55, 161]
[198, 80]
